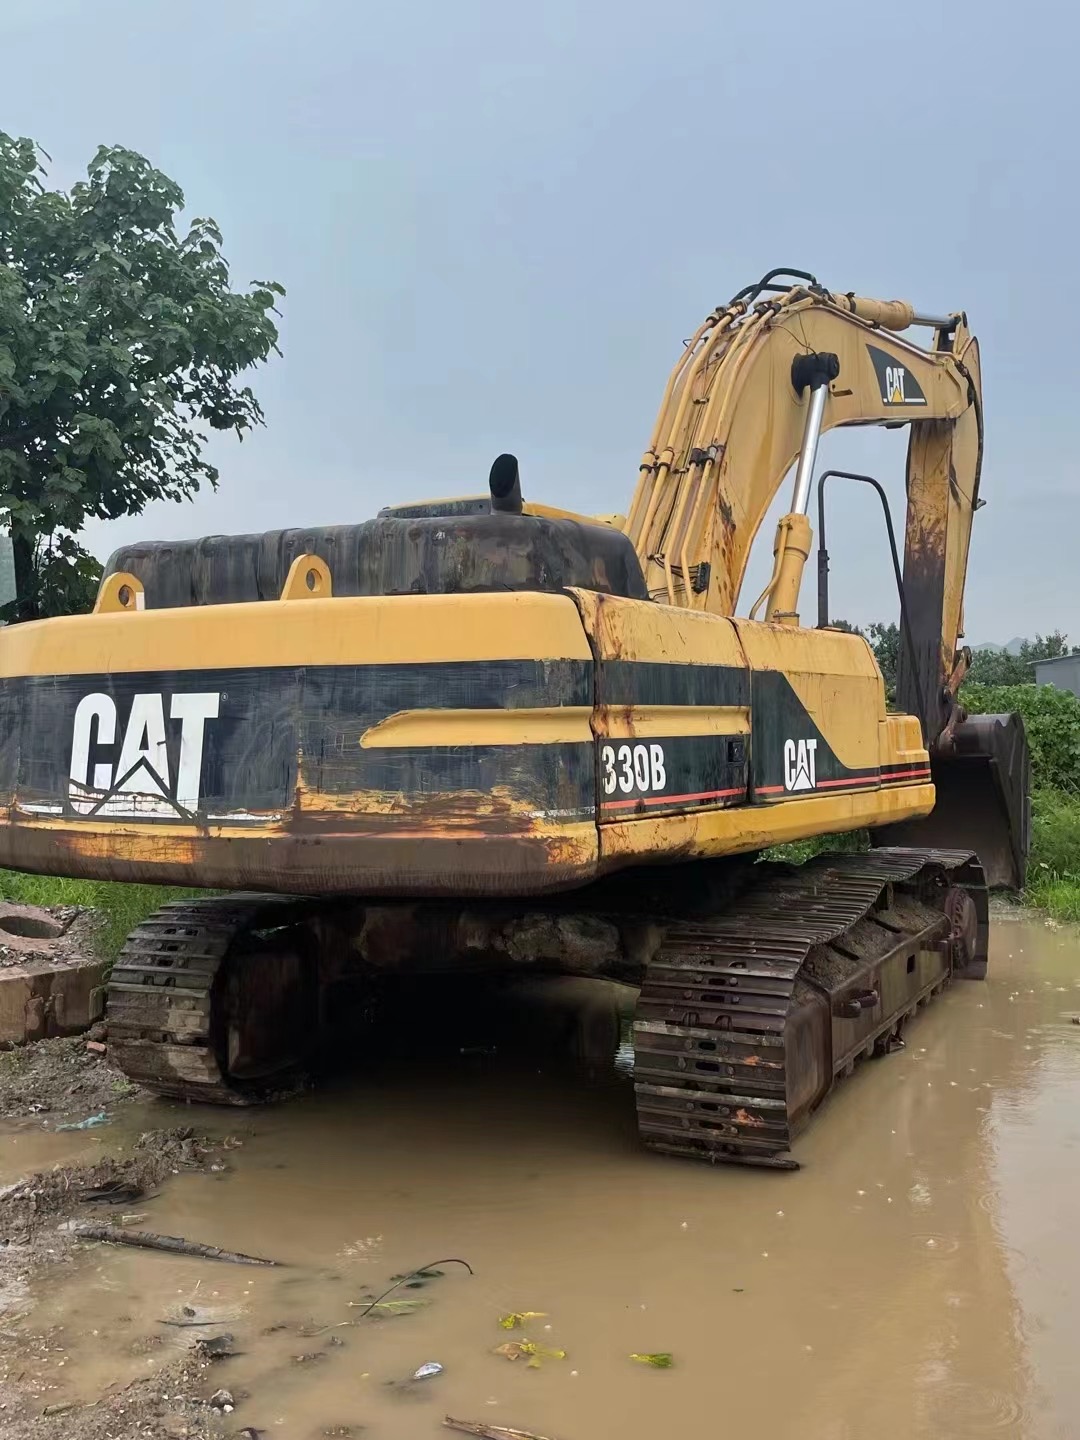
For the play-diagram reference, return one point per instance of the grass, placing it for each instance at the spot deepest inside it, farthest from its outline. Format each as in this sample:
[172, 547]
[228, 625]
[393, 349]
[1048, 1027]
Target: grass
[1053, 878]
[797, 852]
[121, 906]
[1053, 881]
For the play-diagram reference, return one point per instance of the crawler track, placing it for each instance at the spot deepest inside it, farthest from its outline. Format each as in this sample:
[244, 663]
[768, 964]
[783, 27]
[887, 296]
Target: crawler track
[187, 1026]
[745, 1021]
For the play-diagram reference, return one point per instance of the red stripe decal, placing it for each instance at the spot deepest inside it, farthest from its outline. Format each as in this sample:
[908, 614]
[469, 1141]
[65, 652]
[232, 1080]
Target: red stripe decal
[763, 790]
[670, 799]
[848, 784]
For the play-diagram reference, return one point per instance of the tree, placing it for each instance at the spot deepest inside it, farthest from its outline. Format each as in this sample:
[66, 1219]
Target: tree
[120, 337]
[998, 667]
[885, 643]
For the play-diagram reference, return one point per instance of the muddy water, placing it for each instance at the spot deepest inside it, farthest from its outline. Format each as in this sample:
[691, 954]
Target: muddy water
[918, 1277]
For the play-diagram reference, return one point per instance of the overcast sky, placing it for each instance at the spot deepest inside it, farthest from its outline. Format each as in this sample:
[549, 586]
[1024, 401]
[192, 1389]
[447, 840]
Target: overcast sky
[496, 222]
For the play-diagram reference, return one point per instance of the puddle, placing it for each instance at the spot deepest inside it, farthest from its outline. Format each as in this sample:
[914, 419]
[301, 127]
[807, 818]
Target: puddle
[916, 1278]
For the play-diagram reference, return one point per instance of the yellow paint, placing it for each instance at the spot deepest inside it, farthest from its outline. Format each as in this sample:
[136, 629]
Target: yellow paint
[901, 742]
[308, 579]
[561, 725]
[120, 591]
[791, 550]
[644, 722]
[369, 630]
[730, 832]
[642, 630]
[835, 677]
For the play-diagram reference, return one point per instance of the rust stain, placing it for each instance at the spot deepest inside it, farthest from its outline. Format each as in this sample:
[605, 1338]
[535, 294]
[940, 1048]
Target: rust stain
[324, 861]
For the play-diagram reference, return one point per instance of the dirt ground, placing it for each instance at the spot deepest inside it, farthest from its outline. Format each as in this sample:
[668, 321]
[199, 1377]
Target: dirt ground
[56, 1079]
[61, 1080]
[47, 933]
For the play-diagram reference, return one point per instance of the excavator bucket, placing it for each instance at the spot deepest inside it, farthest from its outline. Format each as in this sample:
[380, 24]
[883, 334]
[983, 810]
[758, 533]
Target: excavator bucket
[983, 801]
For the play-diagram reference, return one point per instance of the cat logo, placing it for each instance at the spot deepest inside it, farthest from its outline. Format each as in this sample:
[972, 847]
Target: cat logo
[898, 385]
[125, 770]
[800, 764]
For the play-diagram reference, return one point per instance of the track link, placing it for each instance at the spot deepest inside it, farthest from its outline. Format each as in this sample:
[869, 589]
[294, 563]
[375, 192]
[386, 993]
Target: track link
[745, 1021]
[169, 1021]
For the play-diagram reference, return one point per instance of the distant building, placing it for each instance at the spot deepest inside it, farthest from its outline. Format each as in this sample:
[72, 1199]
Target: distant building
[1063, 673]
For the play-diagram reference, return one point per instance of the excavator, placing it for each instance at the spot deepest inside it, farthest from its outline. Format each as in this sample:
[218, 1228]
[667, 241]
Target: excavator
[483, 737]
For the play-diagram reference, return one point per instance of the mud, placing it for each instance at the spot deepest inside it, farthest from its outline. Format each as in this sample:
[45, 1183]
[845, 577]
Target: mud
[36, 1243]
[916, 1278]
[57, 1080]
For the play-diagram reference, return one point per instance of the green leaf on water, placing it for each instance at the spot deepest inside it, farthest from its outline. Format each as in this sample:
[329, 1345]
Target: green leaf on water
[659, 1359]
[517, 1318]
[515, 1349]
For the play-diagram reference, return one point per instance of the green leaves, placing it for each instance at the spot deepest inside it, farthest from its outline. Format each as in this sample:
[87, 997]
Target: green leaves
[121, 343]
[535, 1354]
[1052, 723]
[658, 1359]
[518, 1318]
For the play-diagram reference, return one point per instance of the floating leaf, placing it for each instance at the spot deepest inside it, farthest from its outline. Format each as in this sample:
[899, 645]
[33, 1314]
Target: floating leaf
[385, 1309]
[518, 1318]
[515, 1349]
[659, 1360]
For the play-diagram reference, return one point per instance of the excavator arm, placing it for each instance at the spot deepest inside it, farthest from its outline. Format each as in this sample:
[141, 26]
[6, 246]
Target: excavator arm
[756, 386]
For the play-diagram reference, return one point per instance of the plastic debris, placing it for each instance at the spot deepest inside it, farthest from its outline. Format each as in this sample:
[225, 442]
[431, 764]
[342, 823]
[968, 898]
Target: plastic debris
[658, 1359]
[517, 1318]
[90, 1123]
[425, 1372]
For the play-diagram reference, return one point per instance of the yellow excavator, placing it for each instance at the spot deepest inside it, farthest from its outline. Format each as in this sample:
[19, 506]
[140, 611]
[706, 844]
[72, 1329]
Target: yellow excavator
[489, 737]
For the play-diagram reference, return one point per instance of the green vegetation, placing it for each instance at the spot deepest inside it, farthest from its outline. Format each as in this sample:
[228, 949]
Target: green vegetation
[121, 906]
[797, 852]
[998, 667]
[1052, 722]
[121, 341]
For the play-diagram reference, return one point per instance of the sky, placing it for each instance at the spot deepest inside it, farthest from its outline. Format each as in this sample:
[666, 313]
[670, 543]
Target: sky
[496, 223]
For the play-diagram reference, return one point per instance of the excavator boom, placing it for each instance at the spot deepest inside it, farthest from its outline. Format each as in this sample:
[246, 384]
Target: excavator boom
[756, 386]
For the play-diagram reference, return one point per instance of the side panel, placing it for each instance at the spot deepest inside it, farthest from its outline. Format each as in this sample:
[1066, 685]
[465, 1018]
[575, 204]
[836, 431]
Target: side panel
[314, 757]
[672, 719]
[819, 720]
[778, 734]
